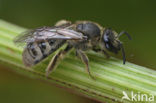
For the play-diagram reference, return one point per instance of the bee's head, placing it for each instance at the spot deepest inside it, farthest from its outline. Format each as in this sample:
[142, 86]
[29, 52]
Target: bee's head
[112, 43]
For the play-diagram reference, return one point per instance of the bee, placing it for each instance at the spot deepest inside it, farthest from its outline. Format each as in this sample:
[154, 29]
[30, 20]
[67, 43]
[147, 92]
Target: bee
[81, 35]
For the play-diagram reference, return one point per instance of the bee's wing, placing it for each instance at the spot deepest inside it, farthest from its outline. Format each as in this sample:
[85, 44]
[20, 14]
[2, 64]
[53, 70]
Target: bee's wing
[45, 33]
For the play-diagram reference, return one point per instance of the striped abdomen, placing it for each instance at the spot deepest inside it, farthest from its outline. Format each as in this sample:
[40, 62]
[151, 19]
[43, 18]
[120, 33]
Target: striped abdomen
[35, 52]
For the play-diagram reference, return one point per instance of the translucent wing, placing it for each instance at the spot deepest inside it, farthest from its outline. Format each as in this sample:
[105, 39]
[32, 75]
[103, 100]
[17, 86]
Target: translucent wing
[46, 33]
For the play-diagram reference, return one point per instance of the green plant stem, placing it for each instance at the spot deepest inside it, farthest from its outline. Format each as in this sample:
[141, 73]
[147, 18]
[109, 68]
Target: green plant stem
[112, 77]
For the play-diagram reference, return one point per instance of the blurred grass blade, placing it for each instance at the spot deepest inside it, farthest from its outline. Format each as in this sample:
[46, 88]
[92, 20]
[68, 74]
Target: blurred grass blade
[112, 77]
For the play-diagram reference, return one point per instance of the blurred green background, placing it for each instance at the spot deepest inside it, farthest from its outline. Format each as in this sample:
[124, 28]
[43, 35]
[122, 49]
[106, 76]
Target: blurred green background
[138, 17]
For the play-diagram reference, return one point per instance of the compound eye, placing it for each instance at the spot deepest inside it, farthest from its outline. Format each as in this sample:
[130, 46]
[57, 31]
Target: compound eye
[109, 41]
[89, 29]
[108, 35]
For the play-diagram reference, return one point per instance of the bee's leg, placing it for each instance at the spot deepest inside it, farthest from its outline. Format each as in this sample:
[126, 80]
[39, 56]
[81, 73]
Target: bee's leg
[85, 59]
[103, 51]
[63, 23]
[54, 61]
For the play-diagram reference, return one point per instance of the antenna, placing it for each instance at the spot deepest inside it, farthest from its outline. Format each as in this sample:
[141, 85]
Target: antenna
[124, 32]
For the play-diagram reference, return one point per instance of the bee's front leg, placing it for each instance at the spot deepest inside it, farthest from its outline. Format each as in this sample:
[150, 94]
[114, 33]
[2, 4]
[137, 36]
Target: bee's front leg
[54, 61]
[103, 51]
[85, 59]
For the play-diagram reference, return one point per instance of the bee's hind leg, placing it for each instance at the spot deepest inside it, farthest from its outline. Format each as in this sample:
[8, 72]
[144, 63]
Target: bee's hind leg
[85, 59]
[52, 63]
[56, 58]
